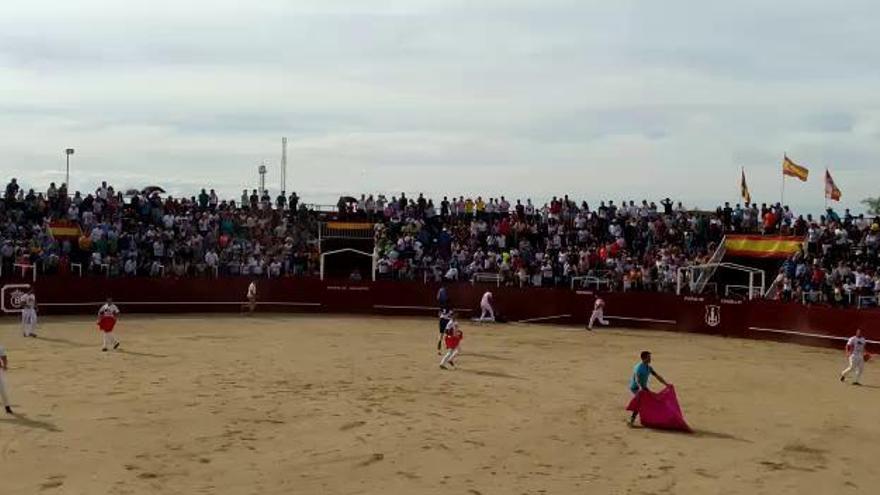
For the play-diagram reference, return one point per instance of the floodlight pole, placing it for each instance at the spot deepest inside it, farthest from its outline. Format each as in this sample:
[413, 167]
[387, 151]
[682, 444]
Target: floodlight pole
[68, 152]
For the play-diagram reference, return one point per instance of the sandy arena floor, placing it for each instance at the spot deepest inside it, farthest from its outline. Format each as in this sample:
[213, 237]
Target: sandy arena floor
[348, 405]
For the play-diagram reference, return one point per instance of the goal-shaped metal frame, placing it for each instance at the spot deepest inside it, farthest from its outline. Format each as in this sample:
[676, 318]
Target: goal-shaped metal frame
[352, 231]
[372, 256]
[753, 272]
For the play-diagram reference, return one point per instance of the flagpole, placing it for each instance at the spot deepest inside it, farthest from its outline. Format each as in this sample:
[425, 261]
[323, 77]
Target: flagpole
[782, 195]
[782, 199]
[824, 191]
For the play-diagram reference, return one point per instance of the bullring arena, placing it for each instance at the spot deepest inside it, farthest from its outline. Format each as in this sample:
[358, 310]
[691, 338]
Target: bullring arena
[330, 403]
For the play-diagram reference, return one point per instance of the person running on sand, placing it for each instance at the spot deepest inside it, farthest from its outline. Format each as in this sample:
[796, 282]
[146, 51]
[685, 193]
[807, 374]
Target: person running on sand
[855, 348]
[446, 316]
[453, 341]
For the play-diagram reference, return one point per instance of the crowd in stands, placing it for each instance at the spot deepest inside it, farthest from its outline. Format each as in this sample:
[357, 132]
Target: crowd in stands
[619, 246]
[143, 234]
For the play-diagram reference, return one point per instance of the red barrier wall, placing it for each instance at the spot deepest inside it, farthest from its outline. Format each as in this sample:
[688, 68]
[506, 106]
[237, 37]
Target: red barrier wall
[815, 325]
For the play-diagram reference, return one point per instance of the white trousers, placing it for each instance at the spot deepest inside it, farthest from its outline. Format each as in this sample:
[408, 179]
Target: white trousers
[487, 311]
[3, 395]
[598, 315]
[109, 340]
[856, 365]
[450, 355]
[28, 321]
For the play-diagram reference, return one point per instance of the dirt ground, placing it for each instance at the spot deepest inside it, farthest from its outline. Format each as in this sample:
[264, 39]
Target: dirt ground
[281, 404]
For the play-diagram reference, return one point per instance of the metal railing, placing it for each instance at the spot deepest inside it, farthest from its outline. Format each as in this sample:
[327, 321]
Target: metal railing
[699, 285]
[812, 296]
[486, 277]
[863, 301]
[735, 289]
[586, 281]
[24, 268]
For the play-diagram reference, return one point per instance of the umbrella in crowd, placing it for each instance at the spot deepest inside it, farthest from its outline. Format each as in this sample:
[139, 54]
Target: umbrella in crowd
[149, 190]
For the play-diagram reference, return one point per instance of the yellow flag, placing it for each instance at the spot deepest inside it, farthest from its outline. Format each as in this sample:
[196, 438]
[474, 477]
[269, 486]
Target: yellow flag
[792, 169]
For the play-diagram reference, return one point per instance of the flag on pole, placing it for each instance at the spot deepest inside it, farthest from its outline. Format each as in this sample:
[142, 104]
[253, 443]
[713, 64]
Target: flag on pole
[744, 189]
[762, 246]
[64, 229]
[831, 190]
[792, 169]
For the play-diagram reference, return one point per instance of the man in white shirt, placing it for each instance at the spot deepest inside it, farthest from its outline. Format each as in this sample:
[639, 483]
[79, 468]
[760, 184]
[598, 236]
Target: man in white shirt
[275, 268]
[504, 206]
[855, 347]
[107, 316]
[4, 366]
[529, 208]
[156, 268]
[29, 314]
[130, 267]
[383, 266]
[211, 259]
[252, 297]
[598, 314]
[488, 313]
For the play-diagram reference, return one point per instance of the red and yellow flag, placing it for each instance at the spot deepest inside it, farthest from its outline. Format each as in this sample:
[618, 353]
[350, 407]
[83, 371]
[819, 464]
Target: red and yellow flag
[831, 190]
[64, 228]
[761, 246]
[792, 169]
[349, 226]
[744, 189]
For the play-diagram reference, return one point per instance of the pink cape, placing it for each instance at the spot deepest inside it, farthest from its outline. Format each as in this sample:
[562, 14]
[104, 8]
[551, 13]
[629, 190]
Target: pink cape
[659, 410]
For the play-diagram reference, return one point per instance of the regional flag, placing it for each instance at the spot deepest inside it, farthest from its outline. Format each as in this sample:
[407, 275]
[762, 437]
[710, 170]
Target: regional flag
[792, 169]
[761, 246]
[831, 190]
[64, 229]
[744, 189]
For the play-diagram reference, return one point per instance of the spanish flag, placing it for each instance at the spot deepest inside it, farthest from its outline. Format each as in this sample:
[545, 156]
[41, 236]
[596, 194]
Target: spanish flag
[744, 189]
[758, 246]
[831, 190]
[64, 229]
[792, 169]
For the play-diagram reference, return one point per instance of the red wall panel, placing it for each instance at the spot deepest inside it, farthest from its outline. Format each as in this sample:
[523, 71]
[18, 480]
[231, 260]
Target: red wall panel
[815, 325]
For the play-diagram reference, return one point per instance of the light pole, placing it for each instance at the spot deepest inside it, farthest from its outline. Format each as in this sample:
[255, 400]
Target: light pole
[68, 152]
[262, 171]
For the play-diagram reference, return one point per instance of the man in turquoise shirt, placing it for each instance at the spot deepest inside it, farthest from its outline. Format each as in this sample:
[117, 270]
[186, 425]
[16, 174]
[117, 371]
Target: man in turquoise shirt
[639, 380]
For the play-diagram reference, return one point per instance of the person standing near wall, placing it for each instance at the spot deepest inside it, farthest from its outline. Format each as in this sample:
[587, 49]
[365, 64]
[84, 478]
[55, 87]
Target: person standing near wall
[252, 297]
[4, 366]
[855, 348]
[29, 314]
[443, 298]
[488, 312]
[107, 316]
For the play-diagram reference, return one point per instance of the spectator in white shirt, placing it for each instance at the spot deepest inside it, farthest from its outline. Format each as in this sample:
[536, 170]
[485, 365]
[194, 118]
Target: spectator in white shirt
[130, 268]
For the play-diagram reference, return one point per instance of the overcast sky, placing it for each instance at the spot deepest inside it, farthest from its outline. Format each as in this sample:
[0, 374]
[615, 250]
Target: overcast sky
[599, 99]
